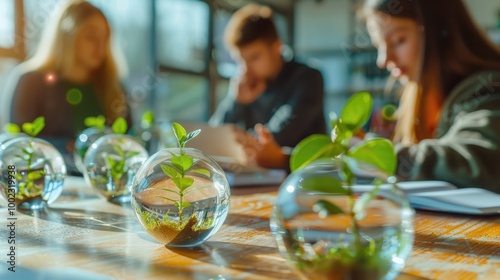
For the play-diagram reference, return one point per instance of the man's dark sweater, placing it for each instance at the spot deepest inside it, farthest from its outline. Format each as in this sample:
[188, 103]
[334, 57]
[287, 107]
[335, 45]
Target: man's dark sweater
[291, 106]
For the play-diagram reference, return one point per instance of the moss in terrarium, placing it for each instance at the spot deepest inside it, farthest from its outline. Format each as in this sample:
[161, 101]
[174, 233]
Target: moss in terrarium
[369, 262]
[171, 231]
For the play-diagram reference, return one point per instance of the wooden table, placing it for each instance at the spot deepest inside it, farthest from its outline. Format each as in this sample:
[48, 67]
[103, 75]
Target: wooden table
[83, 231]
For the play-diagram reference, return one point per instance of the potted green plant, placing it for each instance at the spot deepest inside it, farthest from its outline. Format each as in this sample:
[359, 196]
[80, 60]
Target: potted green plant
[327, 227]
[180, 195]
[32, 171]
[112, 161]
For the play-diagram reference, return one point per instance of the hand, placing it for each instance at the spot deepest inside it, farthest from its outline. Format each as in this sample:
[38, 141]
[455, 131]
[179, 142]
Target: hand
[270, 154]
[249, 89]
[262, 150]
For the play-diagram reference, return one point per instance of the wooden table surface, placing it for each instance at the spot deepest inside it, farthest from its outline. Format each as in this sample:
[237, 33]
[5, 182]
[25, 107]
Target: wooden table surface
[83, 231]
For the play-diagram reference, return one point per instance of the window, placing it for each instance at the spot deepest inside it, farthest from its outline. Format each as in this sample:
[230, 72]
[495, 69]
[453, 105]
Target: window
[182, 34]
[181, 97]
[7, 24]
[11, 26]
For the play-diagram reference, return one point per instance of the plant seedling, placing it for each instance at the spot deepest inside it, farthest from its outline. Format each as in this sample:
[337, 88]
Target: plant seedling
[116, 163]
[378, 154]
[27, 186]
[179, 167]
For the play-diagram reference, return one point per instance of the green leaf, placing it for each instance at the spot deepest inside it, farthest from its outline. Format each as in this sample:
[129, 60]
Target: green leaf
[376, 152]
[28, 150]
[192, 135]
[184, 204]
[201, 171]
[110, 161]
[323, 184]
[11, 128]
[28, 129]
[341, 133]
[34, 175]
[183, 183]
[98, 122]
[170, 171]
[147, 119]
[357, 110]
[326, 208]
[120, 126]
[38, 125]
[182, 163]
[180, 133]
[130, 154]
[118, 150]
[311, 149]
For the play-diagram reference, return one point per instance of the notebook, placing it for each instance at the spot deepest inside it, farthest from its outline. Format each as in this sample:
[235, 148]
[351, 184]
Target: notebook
[445, 197]
[220, 143]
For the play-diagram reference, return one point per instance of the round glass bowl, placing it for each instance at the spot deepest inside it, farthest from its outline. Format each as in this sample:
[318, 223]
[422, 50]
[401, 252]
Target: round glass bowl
[83, 143]
[324, 237]
[180, 202]
[32, 172]
[111, 163]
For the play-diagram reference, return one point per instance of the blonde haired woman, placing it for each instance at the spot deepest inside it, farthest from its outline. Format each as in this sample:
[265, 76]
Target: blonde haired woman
[72, 75]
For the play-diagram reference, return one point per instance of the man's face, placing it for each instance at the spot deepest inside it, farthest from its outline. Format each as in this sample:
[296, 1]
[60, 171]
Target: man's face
[259, 59]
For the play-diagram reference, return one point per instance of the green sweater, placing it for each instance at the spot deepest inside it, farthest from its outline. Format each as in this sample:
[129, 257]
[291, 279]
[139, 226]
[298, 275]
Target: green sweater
[466, 151]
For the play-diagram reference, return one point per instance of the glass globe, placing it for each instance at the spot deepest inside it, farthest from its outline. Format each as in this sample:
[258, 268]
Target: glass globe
[111, 163]
[32, 172]
[323, 239]
[83, 142]
[180, 215]
[6, 136]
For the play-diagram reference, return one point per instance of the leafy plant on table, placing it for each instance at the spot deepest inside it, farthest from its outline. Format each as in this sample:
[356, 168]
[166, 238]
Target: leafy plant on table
[98, 122]
[27, 186]
[117, 162]
[181, 165]
[377, 155]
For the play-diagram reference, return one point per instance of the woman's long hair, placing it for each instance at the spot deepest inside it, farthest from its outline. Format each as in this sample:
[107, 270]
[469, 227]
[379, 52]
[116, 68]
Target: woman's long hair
[453, 48]
[56, 53]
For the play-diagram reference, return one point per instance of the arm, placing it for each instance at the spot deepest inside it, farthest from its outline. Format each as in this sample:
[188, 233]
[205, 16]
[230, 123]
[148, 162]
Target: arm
[228, 111]
[468, 155]
[243, 91]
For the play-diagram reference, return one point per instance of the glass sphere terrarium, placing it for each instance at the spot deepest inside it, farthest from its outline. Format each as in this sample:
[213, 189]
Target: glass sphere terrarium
[32, 171]
[111, 164]
[327, 226]
[324, 236]
[180, 195]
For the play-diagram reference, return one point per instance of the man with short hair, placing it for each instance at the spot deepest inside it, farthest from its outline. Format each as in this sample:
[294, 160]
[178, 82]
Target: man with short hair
[282, 100]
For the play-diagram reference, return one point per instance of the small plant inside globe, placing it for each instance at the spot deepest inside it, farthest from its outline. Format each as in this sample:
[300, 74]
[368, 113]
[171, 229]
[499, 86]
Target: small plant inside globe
[180, 195]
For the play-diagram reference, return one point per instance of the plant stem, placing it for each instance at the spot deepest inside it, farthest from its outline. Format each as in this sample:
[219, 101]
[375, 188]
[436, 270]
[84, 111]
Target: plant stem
[29, 161]
[355, 226]
[180, 205]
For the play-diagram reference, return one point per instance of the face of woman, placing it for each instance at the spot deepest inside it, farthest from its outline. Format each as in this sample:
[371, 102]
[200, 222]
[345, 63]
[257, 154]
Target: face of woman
[91, 42]
[398, 42]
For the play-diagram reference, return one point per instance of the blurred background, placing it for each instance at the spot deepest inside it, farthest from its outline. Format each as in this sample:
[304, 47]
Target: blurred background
[178, 65]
